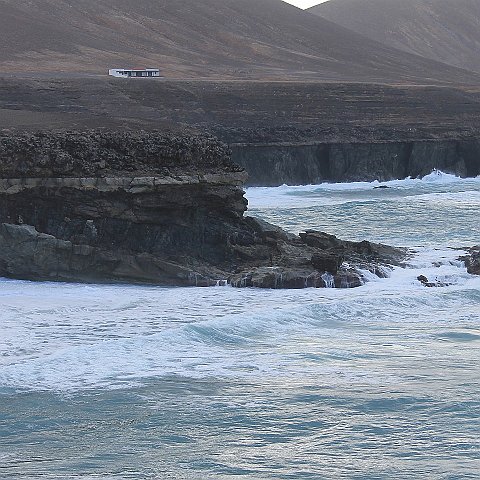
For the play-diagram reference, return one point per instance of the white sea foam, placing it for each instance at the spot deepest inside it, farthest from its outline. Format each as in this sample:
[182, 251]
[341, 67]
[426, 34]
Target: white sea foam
[285, 196]
[172, 377]
[431, 211]
[71, 338]
[65, 337]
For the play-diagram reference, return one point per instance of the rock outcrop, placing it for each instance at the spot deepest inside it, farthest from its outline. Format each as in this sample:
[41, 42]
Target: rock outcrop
[436, 283]
[109, 207]
[472, 261]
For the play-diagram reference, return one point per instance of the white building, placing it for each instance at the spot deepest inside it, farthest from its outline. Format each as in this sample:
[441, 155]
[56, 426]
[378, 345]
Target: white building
[134, 72]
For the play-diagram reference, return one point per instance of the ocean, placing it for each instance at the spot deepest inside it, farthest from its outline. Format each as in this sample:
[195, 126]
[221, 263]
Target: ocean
[378, 382]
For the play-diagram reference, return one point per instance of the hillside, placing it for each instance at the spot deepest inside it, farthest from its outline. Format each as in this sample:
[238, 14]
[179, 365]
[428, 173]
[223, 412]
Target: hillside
[190, 39]
[443, 30]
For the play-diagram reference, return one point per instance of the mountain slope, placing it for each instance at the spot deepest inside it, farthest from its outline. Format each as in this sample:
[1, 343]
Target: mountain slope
[265, 39]
[444, 30]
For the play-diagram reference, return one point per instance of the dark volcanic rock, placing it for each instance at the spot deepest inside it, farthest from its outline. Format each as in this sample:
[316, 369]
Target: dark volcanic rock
[295, 278]
[100, 154]
[314, 259]
[472, 261]
[133, 208]
[277, 277]
[301, 164]
[435, 284]
[327, 262]
[356, 252]
[28, 254]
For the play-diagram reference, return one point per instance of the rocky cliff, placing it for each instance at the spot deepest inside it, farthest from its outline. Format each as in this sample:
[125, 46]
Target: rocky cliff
[157, 209]
[272, 164]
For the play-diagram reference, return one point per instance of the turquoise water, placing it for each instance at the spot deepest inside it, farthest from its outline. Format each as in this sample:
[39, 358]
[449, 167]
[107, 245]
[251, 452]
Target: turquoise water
[377, 382]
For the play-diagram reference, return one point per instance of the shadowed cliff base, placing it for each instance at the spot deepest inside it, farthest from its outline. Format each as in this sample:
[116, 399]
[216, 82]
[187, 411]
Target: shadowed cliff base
[315, 163]
[152, 208]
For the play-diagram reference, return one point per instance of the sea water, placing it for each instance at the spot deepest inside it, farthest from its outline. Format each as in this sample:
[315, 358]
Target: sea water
[378, 382]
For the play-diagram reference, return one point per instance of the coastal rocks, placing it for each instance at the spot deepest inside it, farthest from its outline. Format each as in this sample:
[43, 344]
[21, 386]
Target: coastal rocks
[277, 277]
[176, 218]
[472, 261]
[312, 259]
[354, 252]
[435, 284]
[30, 255]
[295, 278]
[474, 265]
[327, 262]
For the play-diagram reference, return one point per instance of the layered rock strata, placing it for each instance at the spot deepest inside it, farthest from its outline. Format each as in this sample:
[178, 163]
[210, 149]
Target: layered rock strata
[149, 208]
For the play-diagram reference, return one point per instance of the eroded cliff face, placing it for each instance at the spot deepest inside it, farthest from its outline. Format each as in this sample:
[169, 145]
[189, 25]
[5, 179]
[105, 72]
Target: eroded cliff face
[156, 209]
[312, 163]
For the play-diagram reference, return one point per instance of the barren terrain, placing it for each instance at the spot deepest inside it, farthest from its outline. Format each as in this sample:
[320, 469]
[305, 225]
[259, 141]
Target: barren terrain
[235, 39]
[242, 111]
[443, 30]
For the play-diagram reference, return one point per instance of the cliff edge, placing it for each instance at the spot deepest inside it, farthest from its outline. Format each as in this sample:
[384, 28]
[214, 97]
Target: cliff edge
[153, 208]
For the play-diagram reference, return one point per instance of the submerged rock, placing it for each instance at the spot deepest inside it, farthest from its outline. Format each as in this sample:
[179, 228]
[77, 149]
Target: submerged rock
[435, 284]
[153, 209]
